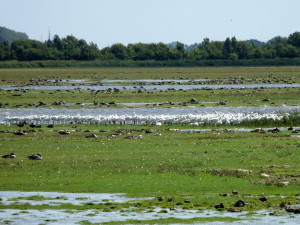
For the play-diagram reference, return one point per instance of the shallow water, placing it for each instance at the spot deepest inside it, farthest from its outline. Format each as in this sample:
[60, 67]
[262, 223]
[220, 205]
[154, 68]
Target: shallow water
[150, 80]
[63, 216]
[57, 217]
[159, 87]
[58, 198]
[146, 115]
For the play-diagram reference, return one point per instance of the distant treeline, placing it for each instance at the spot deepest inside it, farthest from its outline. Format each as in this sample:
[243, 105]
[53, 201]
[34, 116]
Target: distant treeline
[151, 63]
[281, 50]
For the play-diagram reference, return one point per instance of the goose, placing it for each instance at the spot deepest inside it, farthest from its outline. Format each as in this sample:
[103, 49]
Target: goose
[19, 132]
[91, 136]
[235, 192]
[63, 132]
[35, 157]
[219, 206]
[11, 155]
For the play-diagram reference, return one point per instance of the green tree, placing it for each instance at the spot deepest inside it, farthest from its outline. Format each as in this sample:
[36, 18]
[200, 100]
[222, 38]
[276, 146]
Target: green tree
[234, 45]
[5, 52]
[214, 50]
[227, 49]
[119, 51]
[245, 50]
[105, 54]
[294, 39]
[141, 51]
[180, 49]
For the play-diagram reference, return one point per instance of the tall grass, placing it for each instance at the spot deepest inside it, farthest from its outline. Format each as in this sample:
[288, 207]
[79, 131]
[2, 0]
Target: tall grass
[151, 63]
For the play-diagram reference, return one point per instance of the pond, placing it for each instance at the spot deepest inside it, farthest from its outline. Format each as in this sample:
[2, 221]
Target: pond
[156, 116]
[73, 216]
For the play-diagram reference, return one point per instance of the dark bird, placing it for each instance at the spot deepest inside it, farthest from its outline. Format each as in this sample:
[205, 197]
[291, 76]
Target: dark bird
[160, 198]
[235, 192]
[35, 157]
[263, 198]
[11, 155]
[63, 132]
[91, 136]
[219, 206]
[20, 124]
[224, 195]
[240, 203]
[19, 132]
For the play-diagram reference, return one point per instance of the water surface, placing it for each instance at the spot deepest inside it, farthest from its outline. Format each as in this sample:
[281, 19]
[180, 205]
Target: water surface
[159, 87]
[72, 216]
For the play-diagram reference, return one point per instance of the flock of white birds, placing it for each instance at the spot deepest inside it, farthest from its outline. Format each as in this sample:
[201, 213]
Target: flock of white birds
[216, 118]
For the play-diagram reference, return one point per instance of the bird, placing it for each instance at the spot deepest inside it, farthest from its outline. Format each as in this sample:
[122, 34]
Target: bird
[240, 203]
[63, 132]
[11, 155]
[263, 198]
[219, 206]
[19, 132]
[91, 136]
[235, 192]
[20, 124]
[32, 125]
[35, 157]
[224, 195]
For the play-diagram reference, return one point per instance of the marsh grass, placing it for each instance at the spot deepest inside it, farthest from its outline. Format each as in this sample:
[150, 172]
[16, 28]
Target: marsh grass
[32, 198]
[234, 97]
[172, 164]
[188, 170]
[24, 75]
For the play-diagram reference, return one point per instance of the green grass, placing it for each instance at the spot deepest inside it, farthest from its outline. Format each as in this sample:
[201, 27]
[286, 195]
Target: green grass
[187, 169]
[174, 221]
[234, 97]
[269, 74]
[219, 75]
[176, 163]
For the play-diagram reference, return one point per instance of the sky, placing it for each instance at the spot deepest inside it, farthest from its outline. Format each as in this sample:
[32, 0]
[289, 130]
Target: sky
[106, 22]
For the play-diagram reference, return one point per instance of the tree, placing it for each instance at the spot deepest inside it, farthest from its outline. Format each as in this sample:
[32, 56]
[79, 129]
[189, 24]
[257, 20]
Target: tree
[5, 51]
[57, 42]
[245, 50]
[294, 39]
[161, 51]
[227, 50]
[105, 54]
[268, 51]
[180, 49]
[214, 50]
[233, 45]
[119, 51]
[141, 51]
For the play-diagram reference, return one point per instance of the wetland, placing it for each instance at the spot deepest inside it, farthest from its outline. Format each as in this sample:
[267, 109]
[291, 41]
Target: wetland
[177, 155]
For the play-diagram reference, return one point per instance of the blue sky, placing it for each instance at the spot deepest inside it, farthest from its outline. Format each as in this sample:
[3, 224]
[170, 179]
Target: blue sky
[106, 22]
